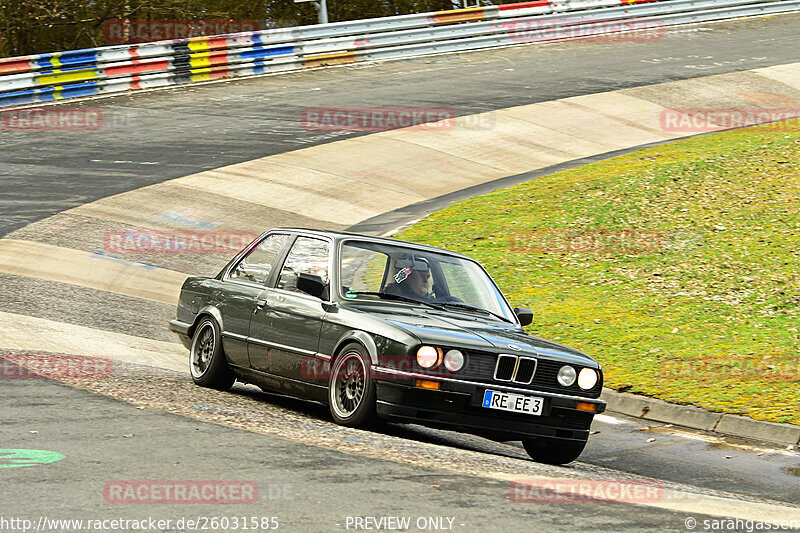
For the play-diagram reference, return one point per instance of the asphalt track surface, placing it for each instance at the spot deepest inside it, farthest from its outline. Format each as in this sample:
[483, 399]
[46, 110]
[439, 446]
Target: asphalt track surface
[166, 134]
[306, 487]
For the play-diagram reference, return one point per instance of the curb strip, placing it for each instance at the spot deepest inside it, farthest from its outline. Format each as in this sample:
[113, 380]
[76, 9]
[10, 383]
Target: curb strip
[696, 418]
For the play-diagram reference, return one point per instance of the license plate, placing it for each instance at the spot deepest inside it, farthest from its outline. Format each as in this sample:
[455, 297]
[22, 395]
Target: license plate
[516, 403]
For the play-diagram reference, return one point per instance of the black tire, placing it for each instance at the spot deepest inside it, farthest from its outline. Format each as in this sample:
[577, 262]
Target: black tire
[553, 451]
[351, 390]
[207, 363]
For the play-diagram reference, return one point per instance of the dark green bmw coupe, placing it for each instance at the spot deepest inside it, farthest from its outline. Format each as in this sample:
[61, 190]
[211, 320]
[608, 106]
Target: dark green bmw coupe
[383, 328]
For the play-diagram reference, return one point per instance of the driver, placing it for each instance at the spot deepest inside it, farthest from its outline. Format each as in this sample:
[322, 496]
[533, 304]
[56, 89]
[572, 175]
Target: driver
[419, 282]
[413, 282]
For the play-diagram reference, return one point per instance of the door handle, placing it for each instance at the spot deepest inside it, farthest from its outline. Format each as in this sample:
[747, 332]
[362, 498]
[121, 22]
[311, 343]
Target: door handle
[260, 304]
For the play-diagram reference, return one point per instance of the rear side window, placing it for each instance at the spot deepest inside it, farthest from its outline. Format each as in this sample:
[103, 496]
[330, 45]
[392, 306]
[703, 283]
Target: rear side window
[257, 265]
[308, 256]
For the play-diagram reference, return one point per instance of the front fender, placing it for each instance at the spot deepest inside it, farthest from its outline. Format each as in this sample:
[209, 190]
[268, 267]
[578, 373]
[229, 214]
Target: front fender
[361, 337]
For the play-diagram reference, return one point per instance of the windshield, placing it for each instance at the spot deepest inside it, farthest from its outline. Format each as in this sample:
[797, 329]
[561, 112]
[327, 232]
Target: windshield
[397, 273]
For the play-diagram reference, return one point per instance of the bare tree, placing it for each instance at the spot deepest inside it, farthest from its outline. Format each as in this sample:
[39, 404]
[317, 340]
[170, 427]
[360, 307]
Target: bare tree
[39, 26]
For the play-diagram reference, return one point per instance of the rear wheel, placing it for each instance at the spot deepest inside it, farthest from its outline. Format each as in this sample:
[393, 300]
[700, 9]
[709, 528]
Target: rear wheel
[351, 391]
[553, 451]
[207, 362]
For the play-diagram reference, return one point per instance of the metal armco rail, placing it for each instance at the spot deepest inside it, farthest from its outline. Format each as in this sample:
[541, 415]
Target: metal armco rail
[112, 69]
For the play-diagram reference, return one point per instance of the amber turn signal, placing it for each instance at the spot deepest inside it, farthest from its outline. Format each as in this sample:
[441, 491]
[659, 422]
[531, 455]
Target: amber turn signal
[425, 384]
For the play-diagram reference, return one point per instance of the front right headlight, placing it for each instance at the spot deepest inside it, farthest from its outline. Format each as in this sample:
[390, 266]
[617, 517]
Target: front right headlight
[587, 378]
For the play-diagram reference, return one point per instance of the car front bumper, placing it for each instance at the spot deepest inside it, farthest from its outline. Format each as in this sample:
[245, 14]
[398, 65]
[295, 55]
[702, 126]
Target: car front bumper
[458, 405]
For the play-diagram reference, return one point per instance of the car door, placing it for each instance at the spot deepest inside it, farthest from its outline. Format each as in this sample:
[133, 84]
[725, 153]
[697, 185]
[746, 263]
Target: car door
[281, 339]
[243, 284]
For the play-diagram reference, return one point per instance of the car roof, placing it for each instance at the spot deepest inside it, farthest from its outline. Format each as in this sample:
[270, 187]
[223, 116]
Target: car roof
[344, 235]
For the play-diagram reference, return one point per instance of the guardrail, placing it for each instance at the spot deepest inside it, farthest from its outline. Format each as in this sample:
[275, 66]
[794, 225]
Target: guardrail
[112, 69]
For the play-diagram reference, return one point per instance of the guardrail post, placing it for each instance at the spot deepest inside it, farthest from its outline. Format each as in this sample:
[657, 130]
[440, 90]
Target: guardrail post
[322, 6]
[322, 9]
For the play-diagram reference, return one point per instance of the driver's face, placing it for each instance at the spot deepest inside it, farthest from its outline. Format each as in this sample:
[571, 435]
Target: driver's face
[419, 282]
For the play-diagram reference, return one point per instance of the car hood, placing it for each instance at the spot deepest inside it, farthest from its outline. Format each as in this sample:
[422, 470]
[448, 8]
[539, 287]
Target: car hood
[473, 332]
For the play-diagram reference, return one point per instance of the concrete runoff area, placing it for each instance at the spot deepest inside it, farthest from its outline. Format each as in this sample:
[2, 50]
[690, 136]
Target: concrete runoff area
[151, 137]
[416, 166]
[303, 461]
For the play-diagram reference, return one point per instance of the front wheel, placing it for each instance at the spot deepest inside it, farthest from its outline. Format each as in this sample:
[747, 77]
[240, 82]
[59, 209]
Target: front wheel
[553, 451]
[351, 391]
[207, 362]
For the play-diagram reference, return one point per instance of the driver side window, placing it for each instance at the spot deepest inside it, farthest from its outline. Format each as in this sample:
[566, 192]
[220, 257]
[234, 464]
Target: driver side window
[257, 265]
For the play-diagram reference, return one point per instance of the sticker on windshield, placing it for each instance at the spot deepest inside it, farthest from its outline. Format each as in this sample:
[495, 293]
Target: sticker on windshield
[401, 276]
[351, 294]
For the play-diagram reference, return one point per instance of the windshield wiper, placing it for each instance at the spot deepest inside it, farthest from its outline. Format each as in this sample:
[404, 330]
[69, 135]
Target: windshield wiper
[473, 308]
[389, 296]
[434, 305]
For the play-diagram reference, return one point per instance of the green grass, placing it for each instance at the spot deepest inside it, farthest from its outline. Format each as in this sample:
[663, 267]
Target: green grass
[699, 306]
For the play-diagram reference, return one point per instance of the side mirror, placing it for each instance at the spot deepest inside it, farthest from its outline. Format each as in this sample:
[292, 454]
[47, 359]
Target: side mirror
[524, 315]
[311, 284]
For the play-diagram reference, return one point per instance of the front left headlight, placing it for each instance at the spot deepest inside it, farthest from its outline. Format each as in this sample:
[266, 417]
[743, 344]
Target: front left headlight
[587, 378]
[429, 357]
